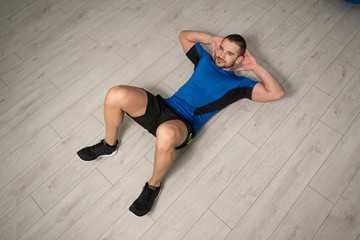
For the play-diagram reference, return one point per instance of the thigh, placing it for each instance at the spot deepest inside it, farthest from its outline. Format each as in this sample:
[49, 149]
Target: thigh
[176, 128]
[151, 115]
[133, 100]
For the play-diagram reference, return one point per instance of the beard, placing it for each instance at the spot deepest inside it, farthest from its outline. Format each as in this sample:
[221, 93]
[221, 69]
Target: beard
[219, 62]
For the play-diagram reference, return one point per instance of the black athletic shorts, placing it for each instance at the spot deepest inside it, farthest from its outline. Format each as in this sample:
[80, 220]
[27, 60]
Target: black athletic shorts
[159, 111]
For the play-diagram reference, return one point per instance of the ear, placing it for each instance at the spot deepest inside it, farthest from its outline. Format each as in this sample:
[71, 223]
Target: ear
[239, 59]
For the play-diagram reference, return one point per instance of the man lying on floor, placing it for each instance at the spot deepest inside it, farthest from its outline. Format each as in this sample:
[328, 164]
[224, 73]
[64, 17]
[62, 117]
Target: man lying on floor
[176, 120]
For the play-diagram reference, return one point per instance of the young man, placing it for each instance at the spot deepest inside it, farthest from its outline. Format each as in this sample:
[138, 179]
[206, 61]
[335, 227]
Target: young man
[176, 120]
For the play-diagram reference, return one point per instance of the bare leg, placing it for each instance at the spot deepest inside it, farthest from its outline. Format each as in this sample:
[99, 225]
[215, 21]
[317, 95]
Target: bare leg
[169, 135]
[119, 99]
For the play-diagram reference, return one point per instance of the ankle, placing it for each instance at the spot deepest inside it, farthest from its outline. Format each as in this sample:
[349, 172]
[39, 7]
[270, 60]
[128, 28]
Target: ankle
[153, 183]
[110, 142]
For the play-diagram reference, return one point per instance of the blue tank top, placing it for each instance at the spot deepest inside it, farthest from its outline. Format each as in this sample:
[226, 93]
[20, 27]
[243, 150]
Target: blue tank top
[209, 89]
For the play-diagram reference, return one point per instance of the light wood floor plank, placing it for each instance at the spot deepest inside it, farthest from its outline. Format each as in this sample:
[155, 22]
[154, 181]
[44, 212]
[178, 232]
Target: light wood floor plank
[192, 204]
[29, 70]
[180, 75]
[307, 40]
[341, 166]
[151, 34]
[27, 154]
[271, 207]
[214, 25]
[289, 30]
[3, 88]
[62, 182]
[304, 218]
[343, 221]
[37, 21]
[129, 153]
[342, 69]
[128, 226]
[269, 22]
[125, 25]
[163, 69]
[10, 8]
[347, 27]
[17, 222]
[135, 46]
[209, 227]
[199, 14]
[7, 63]
[98, 86]
[74, 205]
[248, 18]
[30, 75]
[253, 179]
[71, 7]
[26, 107]
[95, 222]
[266, 3]
[270, 116]
[58, 105]
[134, 5]
[346, 107]
[166, 5]
[65, 33]
[48, 164]
[22, 9]
[85, 63]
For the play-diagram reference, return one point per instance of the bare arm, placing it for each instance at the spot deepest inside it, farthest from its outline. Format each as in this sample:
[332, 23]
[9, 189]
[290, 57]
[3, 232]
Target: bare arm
[269, 89]
[189, 38]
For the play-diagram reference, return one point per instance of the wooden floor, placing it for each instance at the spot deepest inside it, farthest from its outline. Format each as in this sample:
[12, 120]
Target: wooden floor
[282, 170]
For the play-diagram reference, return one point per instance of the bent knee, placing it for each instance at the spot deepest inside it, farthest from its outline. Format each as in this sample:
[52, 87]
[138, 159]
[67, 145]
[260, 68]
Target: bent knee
[116, 95]
[166, 138]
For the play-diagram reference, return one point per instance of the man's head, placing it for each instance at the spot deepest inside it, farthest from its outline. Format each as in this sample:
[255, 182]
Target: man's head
[230, 52]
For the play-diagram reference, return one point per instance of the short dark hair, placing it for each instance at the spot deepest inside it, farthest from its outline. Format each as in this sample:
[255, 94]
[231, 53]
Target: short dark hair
[238, 40]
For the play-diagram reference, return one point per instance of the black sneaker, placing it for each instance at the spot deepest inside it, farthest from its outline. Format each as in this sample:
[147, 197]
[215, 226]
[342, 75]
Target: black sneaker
[142, 205]
[98, 150]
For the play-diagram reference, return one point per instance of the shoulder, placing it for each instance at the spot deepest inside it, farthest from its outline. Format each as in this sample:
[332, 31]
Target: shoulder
[246, 87]
[247, 82]
[195, 53]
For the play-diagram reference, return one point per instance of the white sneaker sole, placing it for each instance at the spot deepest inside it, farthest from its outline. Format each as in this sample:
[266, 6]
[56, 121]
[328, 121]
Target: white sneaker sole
[105, 156]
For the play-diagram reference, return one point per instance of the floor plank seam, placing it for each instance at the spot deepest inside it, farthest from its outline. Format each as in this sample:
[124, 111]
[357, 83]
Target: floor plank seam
[343, 134]
[347, 185]
[209, 209]
[49, 124]
[17, 55]
[309, 186]
[289, 15]
[233, 179]
[334, 205]
[44, 213]
[89, 208]
[285, 215]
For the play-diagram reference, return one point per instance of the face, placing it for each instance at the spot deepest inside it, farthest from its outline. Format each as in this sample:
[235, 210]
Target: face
[227, 55]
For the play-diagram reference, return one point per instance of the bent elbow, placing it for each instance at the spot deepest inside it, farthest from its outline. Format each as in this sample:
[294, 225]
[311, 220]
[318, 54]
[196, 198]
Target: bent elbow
[281, 94]
[278, 95]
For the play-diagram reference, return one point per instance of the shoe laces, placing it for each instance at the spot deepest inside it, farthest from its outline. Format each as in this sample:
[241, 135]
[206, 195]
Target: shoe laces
[99, 145]
[148, 195]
